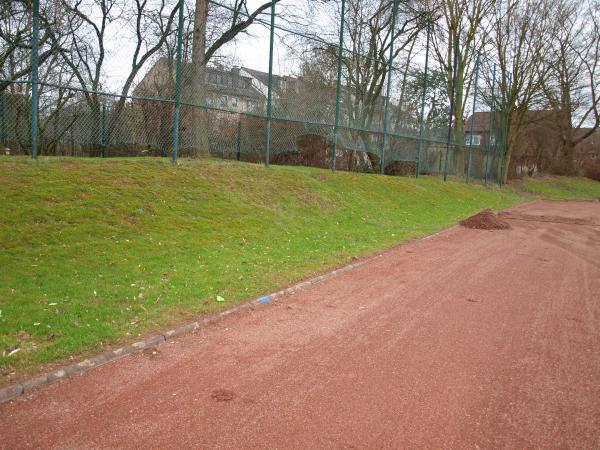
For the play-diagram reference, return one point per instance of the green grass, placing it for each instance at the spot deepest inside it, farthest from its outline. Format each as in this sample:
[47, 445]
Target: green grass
[563, 188]
[96, 252]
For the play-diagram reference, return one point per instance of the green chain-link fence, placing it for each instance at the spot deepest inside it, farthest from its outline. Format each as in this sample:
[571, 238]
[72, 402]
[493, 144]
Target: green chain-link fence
[316, 92]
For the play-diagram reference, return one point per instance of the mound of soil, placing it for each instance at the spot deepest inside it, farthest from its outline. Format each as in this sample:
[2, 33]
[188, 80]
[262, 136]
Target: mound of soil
[485, 220]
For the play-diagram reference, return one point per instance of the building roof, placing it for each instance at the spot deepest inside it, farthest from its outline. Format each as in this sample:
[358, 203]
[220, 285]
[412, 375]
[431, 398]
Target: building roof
[481, 122]
[263, 77]
[219, 80]
[231, 84]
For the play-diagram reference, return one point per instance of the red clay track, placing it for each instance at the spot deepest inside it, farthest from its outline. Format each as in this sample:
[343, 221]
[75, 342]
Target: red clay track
[467, 339]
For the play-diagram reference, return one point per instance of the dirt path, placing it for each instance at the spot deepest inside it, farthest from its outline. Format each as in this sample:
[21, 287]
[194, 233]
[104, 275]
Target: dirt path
[467, 339]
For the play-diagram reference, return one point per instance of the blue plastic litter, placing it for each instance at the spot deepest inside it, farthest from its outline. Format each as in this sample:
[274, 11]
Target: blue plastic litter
[264, 300]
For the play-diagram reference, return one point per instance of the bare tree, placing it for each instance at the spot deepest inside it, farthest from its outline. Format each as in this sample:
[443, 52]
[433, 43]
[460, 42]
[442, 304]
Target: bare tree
[208, 38]
[460, 32]
[368, 38]
[436, 116]
[151, 24]
[16, 38]
[571, 86]
[523, 30]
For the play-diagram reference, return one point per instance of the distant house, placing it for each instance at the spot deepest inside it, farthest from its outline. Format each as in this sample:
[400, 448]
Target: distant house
[478, 132]
[230, 89]
[303, 104]
[238, 89]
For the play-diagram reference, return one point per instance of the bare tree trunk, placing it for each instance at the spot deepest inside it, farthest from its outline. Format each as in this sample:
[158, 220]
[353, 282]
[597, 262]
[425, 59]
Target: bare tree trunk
[199, 35]
[196, 95]
[567, 154]
[466, 22]
[458, 159]
[504, 166]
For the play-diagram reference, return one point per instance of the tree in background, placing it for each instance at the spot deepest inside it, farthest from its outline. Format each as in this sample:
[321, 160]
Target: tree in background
[570, 84]
[16, 37]
[522, 32]
[208, 37]
[460, 32]
[148, 24]
[436, 115]
[368, 36]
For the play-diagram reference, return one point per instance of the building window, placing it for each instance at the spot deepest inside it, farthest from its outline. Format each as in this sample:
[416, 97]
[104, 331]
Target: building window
[474, 139]
[209, 100]
[215, 78]
[223, 100]
[234, 101]
[245, 83]
[249, 106]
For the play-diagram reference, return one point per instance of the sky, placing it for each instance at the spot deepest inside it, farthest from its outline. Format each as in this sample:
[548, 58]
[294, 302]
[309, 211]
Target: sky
[250, 49]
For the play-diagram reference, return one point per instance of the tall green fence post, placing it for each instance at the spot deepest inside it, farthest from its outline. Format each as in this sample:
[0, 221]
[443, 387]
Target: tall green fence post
[3, 119]
[238, 147]
[35, 37]
[338, 86]
[451, 113]
[468, 174]
[423, 97]
[178, 63]
[73, 119]
[490, 125]
[270, 87]
[387, 89]
[103, 131]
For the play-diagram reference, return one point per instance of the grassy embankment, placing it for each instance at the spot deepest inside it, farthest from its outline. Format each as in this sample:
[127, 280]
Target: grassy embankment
[561, 188]
[95, 252]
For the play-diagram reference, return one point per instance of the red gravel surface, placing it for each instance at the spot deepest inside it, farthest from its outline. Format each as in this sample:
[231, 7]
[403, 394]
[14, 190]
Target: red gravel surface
[467, 339]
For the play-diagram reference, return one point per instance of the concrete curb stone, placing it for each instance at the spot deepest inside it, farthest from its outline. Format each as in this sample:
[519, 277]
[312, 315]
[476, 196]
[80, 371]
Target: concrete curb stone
[190, 327]
[34, 382]
[10, 392]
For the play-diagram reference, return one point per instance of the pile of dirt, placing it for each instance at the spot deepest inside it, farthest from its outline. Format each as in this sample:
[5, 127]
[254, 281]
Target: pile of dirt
[485, 220]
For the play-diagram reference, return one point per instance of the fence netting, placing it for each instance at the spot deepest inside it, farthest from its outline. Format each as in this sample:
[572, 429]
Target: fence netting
[344, 84]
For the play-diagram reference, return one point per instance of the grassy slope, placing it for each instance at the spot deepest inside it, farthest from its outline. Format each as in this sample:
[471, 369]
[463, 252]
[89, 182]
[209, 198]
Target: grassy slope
[95, 252]
[563, 188]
